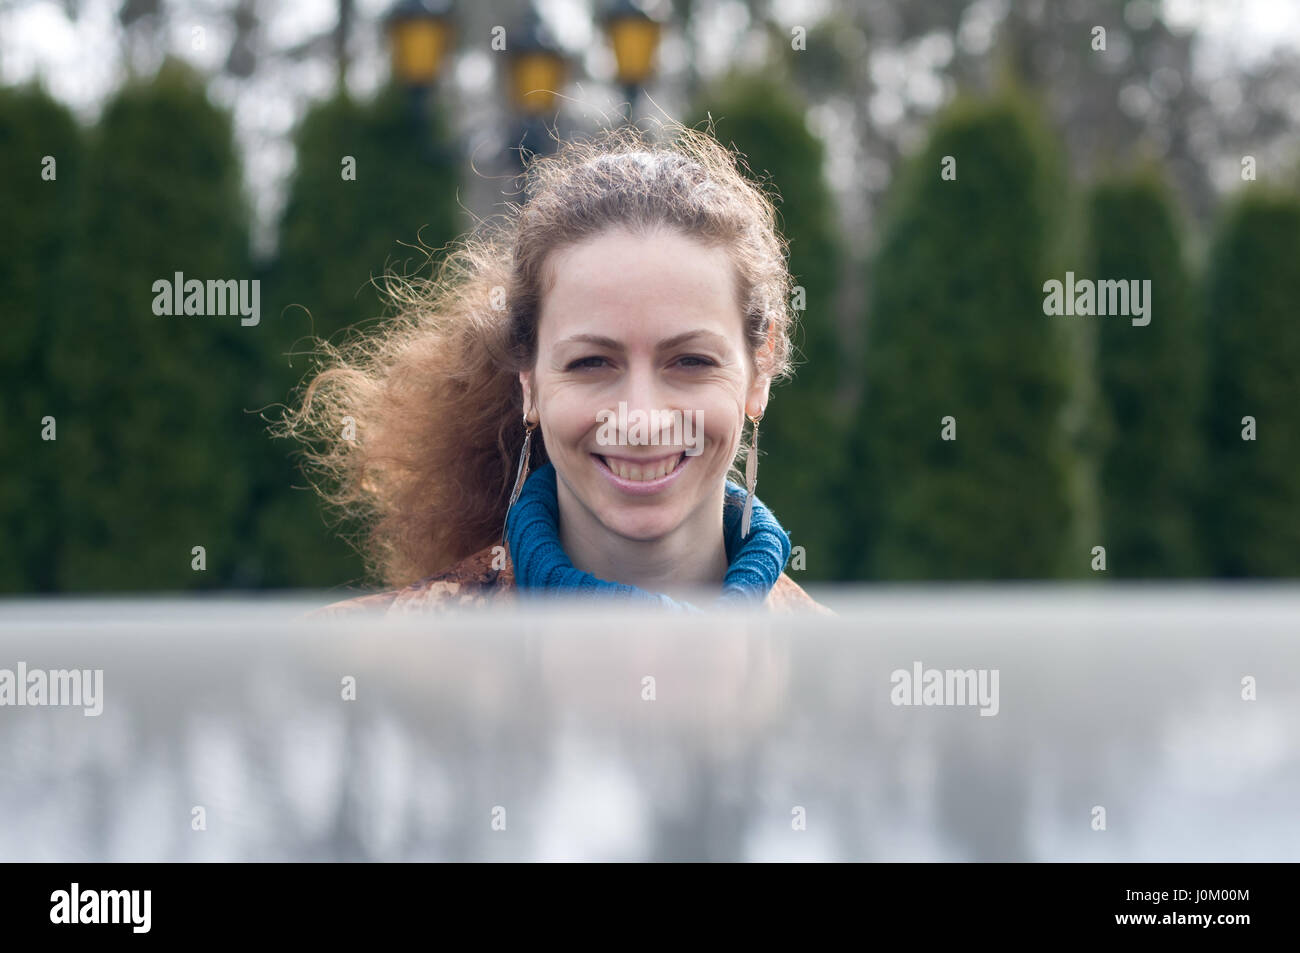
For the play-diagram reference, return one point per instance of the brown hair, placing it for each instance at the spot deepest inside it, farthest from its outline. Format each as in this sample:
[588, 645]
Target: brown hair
[434, 393]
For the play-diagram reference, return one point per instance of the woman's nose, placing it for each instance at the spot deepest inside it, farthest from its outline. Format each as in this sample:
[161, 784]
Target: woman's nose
[644, 397]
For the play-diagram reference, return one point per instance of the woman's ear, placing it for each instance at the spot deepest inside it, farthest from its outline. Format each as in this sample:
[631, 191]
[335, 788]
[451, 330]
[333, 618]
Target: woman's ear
[757, 396]
[526, 382]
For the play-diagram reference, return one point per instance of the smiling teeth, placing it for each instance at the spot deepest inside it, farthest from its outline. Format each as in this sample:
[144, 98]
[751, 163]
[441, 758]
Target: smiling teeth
[642, 472]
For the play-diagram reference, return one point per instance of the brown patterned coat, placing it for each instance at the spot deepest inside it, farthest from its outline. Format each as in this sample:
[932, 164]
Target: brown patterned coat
[474, 582]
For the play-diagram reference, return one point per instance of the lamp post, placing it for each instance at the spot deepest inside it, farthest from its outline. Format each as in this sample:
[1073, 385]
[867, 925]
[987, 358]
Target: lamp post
[537, 69]
[420, 33]
[634, 34]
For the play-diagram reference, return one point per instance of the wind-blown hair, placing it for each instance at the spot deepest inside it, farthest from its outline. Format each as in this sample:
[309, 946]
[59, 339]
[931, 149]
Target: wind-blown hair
[433, 392]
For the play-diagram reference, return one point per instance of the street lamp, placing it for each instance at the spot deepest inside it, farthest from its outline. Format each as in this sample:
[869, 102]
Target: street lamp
[634, 34]
[537, 66]
[537, 69]
[420, 32]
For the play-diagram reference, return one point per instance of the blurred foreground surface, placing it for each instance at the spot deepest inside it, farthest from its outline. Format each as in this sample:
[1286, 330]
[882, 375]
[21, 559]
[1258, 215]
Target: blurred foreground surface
[497, 736]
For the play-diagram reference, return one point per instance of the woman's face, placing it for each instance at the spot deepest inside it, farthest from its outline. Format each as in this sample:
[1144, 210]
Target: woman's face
[642, 381]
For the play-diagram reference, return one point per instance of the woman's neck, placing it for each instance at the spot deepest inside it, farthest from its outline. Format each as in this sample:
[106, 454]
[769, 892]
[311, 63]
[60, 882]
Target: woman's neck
[691, 558]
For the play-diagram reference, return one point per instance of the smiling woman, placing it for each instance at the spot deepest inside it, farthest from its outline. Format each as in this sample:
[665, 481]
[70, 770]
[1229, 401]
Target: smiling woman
[520, 425]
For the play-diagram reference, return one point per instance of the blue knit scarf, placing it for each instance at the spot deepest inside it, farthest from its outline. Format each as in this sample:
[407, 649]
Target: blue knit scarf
[540, 563]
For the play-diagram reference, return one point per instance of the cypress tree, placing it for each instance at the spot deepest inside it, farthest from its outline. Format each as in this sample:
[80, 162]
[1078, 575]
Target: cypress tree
[958, 345]
[40, 167]
[1151, 384]
[374, 190]
[1252, 518]
[155, 444]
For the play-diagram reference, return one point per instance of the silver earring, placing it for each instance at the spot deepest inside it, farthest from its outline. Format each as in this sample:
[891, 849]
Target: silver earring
[521, 474]
[751, 477]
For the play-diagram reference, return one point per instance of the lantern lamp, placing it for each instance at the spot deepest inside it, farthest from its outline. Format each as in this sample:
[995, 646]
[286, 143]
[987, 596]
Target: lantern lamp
[420, 33]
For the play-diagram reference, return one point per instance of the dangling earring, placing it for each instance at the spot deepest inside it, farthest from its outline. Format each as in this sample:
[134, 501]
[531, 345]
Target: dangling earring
[751, 477]
[521, 474]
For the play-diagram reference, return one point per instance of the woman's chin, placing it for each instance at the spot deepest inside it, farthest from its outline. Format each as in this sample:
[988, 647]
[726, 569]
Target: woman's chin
[643, 527]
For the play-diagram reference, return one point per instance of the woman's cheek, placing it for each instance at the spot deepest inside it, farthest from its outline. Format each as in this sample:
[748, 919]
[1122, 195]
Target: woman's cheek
[721, 418]
[573, 419]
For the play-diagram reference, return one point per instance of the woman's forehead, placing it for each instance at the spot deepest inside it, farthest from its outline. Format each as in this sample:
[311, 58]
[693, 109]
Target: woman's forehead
[621, 284]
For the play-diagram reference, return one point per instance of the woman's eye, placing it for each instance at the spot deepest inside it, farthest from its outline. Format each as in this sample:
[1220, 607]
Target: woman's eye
[696, 360]
[585, 362]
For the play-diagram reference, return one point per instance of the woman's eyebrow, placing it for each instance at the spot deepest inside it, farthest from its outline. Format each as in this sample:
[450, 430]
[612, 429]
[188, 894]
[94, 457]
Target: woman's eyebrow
[679, 339]
[596, 339]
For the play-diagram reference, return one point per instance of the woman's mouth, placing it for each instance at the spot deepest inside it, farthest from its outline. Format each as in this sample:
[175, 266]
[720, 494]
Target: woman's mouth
[643, 475]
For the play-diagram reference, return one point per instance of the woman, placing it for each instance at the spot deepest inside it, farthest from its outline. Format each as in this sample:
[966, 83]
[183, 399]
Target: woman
[558, 410]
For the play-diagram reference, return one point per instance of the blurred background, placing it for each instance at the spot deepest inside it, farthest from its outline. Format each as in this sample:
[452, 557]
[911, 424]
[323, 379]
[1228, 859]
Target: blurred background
[312, 144]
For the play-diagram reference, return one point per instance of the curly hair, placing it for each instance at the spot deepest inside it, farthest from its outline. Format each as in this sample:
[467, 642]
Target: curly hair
[415, 426]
